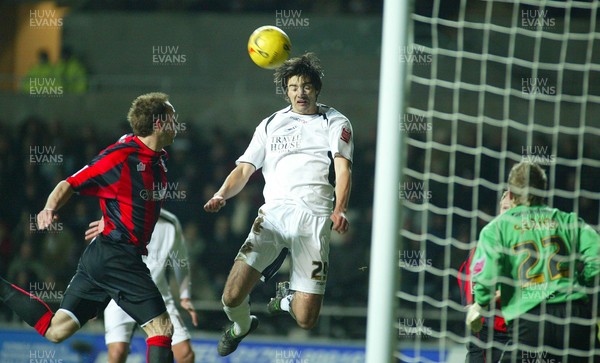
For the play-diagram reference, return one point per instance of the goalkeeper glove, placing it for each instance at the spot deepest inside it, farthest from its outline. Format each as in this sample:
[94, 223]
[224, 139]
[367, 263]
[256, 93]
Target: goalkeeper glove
[474, 316]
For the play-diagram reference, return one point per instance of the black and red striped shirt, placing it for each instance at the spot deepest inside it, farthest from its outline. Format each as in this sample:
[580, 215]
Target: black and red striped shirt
[466, 291]
[130, 180]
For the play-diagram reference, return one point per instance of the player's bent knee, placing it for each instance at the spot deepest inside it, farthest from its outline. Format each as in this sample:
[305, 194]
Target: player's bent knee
[307, 322]
[228, 299]
[306, 309]
[62, 326]
[56, 335]
[232, 299]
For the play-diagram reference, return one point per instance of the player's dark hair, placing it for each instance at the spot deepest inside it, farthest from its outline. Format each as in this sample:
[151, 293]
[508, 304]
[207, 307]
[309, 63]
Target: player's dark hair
[527, 182]
[144, 110]
[306, 66]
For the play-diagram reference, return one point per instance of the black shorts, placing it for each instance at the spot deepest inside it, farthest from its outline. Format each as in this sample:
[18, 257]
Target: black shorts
[529, 332]
[112, 270]
[477, 354]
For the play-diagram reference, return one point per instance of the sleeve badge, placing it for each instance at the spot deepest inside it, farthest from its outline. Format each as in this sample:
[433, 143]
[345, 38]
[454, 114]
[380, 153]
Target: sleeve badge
[346, 135]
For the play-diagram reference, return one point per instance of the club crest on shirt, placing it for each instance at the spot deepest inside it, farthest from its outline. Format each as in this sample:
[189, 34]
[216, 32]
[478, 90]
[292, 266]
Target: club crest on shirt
[478, 266]
[141, 166]
[346, 135]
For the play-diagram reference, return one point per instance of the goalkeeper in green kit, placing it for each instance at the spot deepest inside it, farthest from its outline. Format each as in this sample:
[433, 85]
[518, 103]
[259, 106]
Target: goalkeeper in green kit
[541, 259]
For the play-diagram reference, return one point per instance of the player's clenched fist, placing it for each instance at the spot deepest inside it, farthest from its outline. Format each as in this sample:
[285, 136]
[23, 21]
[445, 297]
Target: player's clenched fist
[340, 222]
[215, 204]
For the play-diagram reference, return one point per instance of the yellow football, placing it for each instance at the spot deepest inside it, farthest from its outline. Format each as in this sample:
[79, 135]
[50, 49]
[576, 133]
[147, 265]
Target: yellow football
[269, 47]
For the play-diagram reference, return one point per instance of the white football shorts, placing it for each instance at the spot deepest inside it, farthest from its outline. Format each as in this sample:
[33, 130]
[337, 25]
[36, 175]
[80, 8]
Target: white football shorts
[119, 326]
[306, 236]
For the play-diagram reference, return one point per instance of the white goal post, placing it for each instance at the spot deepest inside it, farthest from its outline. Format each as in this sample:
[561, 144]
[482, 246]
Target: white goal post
[381, 340]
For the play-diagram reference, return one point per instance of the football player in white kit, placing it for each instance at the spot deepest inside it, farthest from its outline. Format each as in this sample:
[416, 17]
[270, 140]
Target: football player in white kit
[297, 148]
[166, 252]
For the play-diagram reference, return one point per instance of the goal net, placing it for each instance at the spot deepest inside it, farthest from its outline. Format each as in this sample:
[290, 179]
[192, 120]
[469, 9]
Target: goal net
[490, 83]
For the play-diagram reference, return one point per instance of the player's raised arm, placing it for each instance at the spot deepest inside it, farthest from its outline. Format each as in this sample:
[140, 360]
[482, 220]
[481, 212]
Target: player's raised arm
[234, 183]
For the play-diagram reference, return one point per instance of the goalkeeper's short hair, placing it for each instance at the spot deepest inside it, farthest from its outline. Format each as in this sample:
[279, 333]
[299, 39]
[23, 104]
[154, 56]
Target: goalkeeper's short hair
[527, 182]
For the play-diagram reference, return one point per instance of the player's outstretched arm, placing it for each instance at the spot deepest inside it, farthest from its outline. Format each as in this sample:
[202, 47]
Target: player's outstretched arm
[234, 183]
[57, 198]
[343, 185]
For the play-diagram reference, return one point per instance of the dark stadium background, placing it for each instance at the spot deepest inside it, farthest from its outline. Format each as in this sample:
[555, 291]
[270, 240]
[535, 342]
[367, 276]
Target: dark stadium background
[220, 96]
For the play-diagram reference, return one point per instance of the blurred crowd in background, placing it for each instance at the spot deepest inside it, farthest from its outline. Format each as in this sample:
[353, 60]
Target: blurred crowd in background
[68, 73]
[38, 153]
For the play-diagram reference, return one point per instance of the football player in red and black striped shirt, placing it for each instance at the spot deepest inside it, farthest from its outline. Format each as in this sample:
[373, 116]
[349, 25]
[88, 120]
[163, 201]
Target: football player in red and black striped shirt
[129, 178]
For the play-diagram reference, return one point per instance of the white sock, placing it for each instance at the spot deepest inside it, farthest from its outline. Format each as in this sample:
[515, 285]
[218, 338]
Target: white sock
[240, 316]
[286, 303]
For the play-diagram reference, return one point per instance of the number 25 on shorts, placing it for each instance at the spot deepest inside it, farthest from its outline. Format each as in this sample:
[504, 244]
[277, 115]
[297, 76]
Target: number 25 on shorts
[320, 271]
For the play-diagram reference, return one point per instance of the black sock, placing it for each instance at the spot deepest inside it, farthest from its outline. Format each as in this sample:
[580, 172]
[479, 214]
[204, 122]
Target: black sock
[159, 350]
[31, 309]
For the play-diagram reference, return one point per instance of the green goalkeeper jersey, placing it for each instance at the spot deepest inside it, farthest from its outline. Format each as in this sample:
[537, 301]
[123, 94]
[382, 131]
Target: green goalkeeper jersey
[532, 254]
